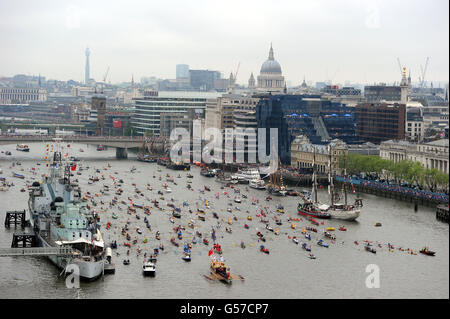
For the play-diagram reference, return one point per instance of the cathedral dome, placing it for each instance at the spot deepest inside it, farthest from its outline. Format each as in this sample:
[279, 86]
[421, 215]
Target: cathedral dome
[271, 65]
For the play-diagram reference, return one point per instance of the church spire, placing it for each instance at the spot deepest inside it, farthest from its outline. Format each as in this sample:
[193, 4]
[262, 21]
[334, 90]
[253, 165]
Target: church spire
[251, 82]
[271, 52]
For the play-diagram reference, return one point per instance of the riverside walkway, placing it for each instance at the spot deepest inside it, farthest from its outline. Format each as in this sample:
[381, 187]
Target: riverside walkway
[383, 189]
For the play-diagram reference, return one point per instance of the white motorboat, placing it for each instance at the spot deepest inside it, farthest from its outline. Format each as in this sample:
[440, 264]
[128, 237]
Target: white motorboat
[149, 267]
[257, 184]
[245, 176]
[23, 147]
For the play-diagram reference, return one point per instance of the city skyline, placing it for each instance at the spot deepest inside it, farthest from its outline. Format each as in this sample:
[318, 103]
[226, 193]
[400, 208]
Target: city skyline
[320, 40]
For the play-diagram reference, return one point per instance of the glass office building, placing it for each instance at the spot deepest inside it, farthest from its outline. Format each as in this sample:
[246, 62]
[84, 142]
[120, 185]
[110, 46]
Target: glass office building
[309, 115]
[148, 109]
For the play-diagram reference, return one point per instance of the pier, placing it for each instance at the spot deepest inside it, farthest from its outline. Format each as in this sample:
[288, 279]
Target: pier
[442, 213]
[16, 218]
[24, 240]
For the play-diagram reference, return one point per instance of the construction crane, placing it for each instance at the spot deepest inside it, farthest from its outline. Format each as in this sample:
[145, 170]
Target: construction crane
[423, 72]
[235, 75]
[237, 71]
[106, 74]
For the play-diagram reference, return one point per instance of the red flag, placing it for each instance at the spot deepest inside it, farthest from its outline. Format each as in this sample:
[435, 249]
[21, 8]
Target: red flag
[117, 124]
[210, 252]
[74, 167]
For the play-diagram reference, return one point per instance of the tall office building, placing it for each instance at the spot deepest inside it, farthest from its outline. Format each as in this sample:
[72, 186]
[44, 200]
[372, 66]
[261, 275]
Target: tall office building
[182, 71]
[86, 70]
[203, 80]
[378, 122]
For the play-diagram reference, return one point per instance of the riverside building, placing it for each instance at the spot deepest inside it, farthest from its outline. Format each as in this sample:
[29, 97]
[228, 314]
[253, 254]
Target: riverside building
[302, 154]
[149, 108]
[430, 155]
[22, 95]
[378, 122]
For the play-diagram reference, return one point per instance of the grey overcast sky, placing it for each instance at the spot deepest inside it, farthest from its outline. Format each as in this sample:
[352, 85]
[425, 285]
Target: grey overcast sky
[339, 40]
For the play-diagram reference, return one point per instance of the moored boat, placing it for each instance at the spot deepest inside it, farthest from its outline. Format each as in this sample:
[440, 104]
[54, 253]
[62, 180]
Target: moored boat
[22, 147]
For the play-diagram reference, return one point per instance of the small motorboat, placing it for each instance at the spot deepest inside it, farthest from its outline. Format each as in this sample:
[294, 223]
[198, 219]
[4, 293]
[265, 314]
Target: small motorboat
[295, 240]
[311, 256]
[264, 249]
[370, 249]
[186, 257]
[126, 262]
[342, 228]
[306, 247]
[176, 214]
[329, 235]
[172, 240]
[18, 175]
[322, 243]
[426, 251]
[149, 267]
[377, 224]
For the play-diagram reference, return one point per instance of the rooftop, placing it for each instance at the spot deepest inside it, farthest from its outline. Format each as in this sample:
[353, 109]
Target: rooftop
[441, 142]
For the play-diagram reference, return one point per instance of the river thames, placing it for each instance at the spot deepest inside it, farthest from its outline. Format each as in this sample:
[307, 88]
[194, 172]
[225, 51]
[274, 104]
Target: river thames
[337, 272]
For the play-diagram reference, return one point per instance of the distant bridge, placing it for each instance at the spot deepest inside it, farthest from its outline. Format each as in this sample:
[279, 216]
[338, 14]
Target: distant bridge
[121, 143]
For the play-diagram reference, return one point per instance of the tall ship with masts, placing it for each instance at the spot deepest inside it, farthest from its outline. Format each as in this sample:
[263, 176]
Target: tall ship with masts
[60, 219]
[275, 185]
[335, 210]
[310, 208]
[340, 210]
